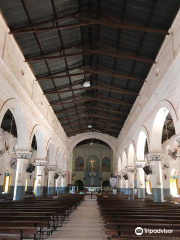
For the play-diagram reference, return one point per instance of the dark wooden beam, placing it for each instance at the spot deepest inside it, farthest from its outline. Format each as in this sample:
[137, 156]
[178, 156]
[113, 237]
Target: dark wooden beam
[85, 51]
[59, 77]
[108, 110]
[94, 122]
[88, 116]
[100, 71]
[99, 87]
[85, 21]
[114, 75]
[86, 99]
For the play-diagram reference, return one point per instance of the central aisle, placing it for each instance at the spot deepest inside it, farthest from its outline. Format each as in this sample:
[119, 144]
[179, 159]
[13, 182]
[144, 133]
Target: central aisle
[84, 223]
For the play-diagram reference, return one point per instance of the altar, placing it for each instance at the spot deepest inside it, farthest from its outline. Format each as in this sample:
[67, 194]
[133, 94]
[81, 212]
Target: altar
[93, 189]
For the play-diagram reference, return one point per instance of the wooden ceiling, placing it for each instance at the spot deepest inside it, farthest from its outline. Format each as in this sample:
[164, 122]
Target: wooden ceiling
[111, 43]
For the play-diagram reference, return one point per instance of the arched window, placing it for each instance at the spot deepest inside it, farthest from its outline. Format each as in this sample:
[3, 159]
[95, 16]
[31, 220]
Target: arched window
[106, 164]
[79, 164]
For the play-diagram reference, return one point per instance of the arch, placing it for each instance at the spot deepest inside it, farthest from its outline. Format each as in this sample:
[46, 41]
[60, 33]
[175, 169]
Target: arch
[20, 118]
[105, 183]
[164, 108]
[79, 162]
[131, 155]
[80, 185]
[141, 142]
[41, 150]
[111, 141]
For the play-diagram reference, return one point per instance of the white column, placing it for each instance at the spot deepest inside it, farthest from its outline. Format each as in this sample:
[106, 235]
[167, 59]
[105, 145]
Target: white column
[20, 180]
[120, 183]
[51, 180]
[141, 188]
[58, 182]
[130, 173]
[40, 175]
[157, 182]
[63, 182]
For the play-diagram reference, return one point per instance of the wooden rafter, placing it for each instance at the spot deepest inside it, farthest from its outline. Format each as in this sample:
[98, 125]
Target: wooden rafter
[85, 21]
[100, 71]
[99, 87]
[86, 99]
[88, 51]
[88, 116]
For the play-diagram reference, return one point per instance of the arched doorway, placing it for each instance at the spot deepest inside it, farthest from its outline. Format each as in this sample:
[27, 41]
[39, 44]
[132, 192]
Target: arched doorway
[105, 183]
[79, 184]
[8, 158]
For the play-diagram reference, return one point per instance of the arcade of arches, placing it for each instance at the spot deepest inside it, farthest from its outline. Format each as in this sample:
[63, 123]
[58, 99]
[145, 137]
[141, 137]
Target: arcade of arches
[89, 90]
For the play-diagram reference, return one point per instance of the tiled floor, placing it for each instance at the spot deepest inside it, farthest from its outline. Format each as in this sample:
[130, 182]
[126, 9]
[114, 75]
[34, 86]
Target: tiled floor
[83, 224]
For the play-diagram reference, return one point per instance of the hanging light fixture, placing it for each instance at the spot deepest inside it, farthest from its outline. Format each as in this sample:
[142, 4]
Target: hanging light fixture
[86, 84]
[91, 143]
[89, 126]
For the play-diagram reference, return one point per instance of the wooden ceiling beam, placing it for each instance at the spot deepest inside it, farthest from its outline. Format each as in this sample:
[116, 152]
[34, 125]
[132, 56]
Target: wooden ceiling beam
[100, 71]
[86, 99]
[108, 110]
[94, 122]
[87, 51]
[85, 21]
[90, 116]
[115, 75]
[59, 77]
[99, 87]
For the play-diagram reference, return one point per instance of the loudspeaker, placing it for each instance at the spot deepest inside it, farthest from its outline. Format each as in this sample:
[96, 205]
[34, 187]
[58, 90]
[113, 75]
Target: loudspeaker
[56, 176]
[125, 177]
[147, 170]
[30, 168]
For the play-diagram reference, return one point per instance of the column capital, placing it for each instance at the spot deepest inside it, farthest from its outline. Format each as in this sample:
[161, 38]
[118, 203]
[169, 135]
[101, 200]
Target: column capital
[52, 168]
[23, 154]
[130, 169]
[154, 157]
[41, 162]
[140, 164]
[177, 138]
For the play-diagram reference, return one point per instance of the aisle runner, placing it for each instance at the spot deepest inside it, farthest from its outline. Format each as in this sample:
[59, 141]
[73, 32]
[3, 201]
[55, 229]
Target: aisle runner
[83, 224]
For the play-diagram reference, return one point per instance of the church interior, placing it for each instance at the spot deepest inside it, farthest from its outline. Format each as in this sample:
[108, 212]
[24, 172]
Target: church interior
[89, 119]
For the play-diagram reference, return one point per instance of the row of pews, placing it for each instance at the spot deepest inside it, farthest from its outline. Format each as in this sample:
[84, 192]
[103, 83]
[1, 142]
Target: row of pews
[122, 216]
[36, 217]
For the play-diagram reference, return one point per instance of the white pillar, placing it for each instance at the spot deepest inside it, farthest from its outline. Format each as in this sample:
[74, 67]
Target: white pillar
[64, 182]
[20, 180]
[157, 182]
[141, 188]
[51, 180]
[58, 182]
[40, 175]
[130, 173]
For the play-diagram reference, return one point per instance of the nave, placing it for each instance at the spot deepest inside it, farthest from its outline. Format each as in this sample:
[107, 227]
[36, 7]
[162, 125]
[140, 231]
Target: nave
[84, 223]
[79, 217]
